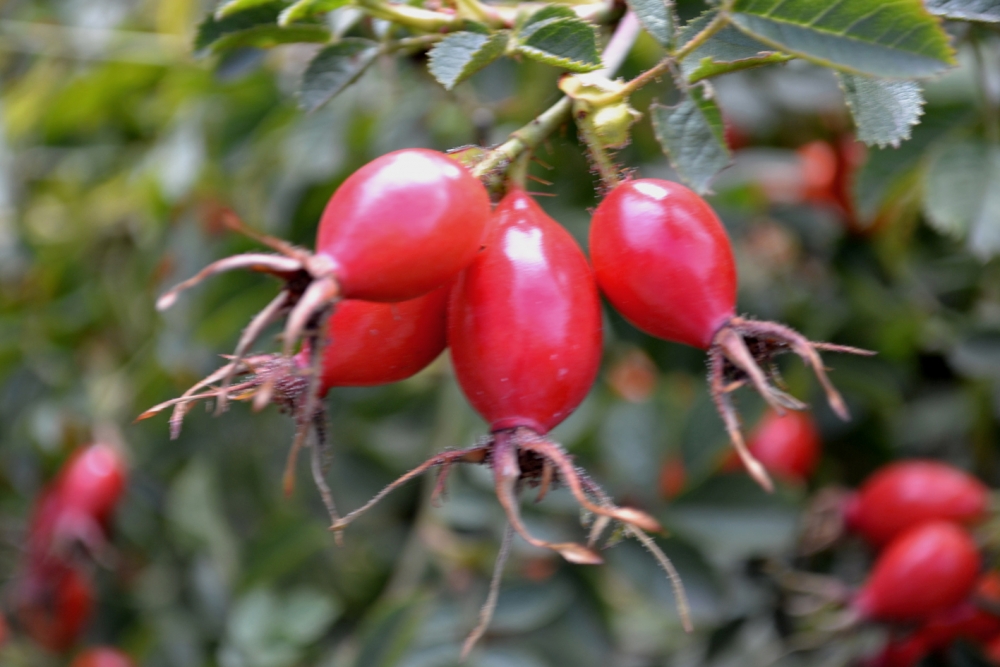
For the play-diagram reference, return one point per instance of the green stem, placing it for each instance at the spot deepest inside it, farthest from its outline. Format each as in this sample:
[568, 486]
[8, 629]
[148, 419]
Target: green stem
[662, 67]
[525, 139]
[415, 18]
[991, 109]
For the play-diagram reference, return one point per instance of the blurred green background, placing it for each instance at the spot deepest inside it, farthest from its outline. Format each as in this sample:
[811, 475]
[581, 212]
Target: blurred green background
[116, 147]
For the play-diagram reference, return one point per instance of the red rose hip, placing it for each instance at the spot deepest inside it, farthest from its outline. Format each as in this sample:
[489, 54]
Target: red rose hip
[904, 494]
[664, 261]
[525, 321]
[925, 570]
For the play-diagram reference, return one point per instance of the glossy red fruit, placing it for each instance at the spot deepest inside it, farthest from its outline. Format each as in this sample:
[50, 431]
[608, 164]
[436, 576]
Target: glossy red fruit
[663, 259]
[926, 570]
[53, 603]
[904, 494]
[402, 225]
[102, 657]
[525, 321]
[377, 343]
[788, 445]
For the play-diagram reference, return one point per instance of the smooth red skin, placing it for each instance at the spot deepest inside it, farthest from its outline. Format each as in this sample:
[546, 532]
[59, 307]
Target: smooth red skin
[664, 261]
[377, 343]
[402, 225]
[904, 494]
[102, 657]
[525, 321]
[924, 571]
[53, 603]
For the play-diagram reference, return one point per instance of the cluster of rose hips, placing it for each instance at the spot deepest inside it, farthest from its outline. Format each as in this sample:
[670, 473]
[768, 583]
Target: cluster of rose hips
[53, 595]
[411, 258]
[926, 581]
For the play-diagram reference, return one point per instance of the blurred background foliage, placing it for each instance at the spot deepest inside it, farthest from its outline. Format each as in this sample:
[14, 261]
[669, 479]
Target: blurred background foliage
[117, 148]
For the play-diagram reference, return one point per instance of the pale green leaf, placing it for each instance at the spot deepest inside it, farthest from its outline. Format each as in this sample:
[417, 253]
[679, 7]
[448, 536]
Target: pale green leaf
[890, 39]
[968, 10]
[304, 9]
[334, 69]
[691, 134]
[657, 18]
[461, 54]
[884, 110]
[962, 194]
[570, 43]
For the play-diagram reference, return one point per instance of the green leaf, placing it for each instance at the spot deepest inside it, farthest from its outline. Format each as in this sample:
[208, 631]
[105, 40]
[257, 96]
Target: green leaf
[570, 43]
[461, 54]
[692, 136]
[884, 111]
[889, 174]
[967, 10]
[304, 9]
[962, 194]
[891, 39]
[729, 50]
[544, 16]
[334, 69]
[657, 18]
[230, 7]
[256, 26]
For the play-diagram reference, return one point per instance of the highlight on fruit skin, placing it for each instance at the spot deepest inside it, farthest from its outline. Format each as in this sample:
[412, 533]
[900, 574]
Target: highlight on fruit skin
[680, 285]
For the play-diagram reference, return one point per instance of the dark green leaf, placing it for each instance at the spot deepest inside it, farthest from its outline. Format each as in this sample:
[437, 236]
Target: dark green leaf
[570, 43]
[962, 195]
[729, 50]
[884, 111]
[657, 18]
[891, 39]
[212, 28]
[968, 10]
[543, 16]
[889, 172]
[230, 7]
[334, 69]
[692, 136]
[268, 36]
[461, 54]
[304, 9]
[388, 632]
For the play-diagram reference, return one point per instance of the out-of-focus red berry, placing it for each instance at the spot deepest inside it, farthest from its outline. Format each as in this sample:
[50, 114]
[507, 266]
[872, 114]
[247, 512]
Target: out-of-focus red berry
[904, 494]
[926, 570]
[102, 656]
[53, 602]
